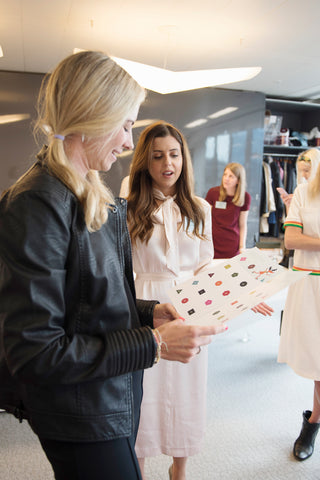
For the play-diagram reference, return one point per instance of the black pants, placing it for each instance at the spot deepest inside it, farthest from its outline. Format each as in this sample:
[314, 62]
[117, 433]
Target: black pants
[114, 460]
[110, 460]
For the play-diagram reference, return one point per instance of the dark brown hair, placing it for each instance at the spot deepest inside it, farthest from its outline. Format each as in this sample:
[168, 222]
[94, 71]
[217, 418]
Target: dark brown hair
[141, 201]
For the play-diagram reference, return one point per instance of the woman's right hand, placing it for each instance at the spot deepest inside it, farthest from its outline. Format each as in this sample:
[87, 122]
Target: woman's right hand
[287, 200]
[181, 342]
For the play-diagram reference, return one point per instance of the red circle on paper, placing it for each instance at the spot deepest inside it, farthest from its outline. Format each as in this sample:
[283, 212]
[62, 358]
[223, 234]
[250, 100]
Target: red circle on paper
[185, 300]
[226, 292]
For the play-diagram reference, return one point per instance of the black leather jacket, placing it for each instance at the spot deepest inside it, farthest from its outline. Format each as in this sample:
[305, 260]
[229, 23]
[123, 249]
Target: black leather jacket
[71, 329]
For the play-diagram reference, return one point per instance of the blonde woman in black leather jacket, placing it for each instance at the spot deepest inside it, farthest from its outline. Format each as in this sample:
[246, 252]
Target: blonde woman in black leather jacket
[73, 339]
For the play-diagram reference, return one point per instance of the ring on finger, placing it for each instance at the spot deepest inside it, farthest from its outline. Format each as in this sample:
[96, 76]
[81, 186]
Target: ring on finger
[199, 350]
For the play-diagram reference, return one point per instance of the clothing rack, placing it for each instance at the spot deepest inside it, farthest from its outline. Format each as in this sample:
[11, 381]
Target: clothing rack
[280, 155]
[282, 169]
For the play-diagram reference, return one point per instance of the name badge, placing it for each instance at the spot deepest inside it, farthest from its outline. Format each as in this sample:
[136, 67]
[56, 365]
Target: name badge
[222, 205]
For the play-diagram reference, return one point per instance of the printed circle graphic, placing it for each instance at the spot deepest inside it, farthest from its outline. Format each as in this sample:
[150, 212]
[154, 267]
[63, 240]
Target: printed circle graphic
[218, 283]
[251, 266]
[243, 284]
[185, 300]
[235, 274]
[226, 292]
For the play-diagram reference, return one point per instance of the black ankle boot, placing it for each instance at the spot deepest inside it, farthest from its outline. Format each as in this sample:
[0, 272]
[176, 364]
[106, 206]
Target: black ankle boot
[287, 254]
[303, 446]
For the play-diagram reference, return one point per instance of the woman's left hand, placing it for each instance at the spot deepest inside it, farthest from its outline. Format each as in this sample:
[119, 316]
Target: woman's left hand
[163, 313]
[263, 308]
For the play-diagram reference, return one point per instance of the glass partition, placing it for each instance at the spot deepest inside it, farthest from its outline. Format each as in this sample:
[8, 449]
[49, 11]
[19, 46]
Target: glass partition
[220, 126]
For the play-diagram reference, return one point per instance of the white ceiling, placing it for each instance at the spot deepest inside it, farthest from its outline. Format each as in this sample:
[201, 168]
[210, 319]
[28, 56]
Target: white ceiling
[281, 36]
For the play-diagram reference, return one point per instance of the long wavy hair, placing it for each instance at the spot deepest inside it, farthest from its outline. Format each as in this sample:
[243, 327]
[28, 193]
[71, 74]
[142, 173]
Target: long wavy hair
[239, 197]
[141, 201]
[86, 94]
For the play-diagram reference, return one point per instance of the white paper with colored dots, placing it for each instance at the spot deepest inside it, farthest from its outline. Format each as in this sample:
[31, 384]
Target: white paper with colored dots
[231, 287]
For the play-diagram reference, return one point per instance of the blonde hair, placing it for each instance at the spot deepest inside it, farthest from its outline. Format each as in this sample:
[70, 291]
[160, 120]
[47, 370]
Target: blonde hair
[239, 197]
[86, 94]
[314, 183]
[313, 154]
[141, 201]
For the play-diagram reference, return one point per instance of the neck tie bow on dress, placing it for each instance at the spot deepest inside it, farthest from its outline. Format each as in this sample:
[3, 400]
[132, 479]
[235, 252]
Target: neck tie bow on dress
[168, 214]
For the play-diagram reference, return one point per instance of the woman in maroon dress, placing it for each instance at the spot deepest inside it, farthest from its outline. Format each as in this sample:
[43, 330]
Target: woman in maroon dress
[230, 207]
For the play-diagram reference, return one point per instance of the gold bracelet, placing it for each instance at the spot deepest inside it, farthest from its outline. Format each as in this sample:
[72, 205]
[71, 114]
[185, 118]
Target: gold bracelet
[158, 352]
[159, 342]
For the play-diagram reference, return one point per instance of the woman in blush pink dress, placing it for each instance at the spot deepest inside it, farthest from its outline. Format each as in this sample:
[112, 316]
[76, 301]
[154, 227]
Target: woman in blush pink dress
[170, 230]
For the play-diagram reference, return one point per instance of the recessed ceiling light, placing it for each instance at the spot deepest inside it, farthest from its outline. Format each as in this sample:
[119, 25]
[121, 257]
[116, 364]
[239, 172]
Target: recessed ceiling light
[77, 50]
[222, 112]
[17, 117]
[196, 123]
[143, 122]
